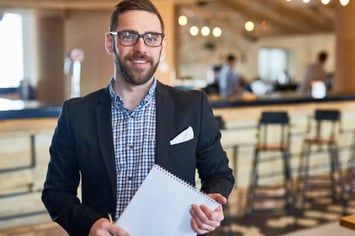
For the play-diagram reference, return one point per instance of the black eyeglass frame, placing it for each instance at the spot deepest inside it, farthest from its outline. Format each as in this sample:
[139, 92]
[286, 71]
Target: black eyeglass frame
[119, 33]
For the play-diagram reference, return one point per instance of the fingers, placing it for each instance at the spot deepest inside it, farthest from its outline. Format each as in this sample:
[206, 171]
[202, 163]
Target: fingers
[118, 231]
[104, 227]
[218, 198]
[204, 220]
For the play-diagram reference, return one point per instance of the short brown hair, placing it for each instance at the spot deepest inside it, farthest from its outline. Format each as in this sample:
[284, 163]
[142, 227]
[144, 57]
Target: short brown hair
[129, 5]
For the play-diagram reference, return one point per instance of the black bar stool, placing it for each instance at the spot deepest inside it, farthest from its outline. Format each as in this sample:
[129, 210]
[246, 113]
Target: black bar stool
[320, 139]
[268, 140]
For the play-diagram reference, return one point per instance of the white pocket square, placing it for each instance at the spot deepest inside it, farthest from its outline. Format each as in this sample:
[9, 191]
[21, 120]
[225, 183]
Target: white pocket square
[184, 136]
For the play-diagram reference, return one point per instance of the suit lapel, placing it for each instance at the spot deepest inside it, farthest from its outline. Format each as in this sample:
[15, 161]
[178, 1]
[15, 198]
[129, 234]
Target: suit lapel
[104, 131]
[164, 124]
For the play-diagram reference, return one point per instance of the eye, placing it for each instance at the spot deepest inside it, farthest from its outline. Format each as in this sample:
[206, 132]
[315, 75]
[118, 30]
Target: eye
[128, 36]
[152, 38]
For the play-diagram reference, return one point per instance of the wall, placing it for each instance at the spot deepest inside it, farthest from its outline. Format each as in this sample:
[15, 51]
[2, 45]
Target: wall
[196, 60]
[85, 30]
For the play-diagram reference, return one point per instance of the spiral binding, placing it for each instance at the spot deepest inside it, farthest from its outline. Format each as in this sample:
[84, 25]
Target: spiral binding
[179, 180]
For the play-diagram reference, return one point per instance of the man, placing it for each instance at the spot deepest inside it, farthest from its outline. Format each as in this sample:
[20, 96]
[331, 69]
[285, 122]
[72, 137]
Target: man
[111, 138]
[228, 80]
[314, 72]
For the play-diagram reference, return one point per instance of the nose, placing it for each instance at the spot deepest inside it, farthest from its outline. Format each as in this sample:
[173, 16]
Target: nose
[140, 46]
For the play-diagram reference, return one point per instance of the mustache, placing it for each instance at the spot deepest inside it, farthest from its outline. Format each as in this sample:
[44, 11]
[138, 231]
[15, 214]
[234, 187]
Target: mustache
[139, 55]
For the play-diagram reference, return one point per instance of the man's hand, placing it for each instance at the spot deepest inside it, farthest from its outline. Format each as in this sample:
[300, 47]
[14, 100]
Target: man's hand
[203, 219]
[103, 227]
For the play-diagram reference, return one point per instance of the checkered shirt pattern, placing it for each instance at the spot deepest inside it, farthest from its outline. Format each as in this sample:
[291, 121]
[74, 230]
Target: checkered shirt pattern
[134, 143]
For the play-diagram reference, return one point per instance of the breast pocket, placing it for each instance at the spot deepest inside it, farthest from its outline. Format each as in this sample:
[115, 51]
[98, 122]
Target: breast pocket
[188, 147]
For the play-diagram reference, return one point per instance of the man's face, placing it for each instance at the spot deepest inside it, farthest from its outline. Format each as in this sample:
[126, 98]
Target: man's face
[137, 64]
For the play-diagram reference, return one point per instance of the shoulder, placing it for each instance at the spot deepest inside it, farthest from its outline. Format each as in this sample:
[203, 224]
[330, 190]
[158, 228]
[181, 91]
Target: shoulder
[89, 100]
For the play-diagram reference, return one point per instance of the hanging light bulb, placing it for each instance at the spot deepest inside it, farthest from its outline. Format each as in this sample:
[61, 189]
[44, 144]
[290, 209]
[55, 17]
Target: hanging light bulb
[182, 20]
[325, 2]
[205, 31]
[249, 26]
[194, 30]
[217, 32]
[306, 1]
[344, 2]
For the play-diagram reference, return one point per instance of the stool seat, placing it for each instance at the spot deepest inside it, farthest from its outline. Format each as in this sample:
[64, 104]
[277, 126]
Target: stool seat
[320, 140]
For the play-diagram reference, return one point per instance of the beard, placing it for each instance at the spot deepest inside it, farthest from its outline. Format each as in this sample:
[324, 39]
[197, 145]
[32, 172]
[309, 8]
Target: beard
[135, 77]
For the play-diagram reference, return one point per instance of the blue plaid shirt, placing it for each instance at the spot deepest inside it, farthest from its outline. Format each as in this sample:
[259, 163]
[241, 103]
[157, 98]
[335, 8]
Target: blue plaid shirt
[134, 143]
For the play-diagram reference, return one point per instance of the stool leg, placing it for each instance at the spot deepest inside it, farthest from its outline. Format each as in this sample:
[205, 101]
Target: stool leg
[252, 187]
[333, 171]
[351, 171]
[340, 181]
[301, 169]
[305, 176]
[351, 168]
[289, 188]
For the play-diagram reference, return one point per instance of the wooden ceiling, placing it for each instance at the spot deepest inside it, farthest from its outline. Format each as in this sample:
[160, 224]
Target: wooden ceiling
[271, 17]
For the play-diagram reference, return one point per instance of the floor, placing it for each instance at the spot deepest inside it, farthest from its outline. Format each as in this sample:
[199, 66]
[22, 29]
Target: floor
[322, 212]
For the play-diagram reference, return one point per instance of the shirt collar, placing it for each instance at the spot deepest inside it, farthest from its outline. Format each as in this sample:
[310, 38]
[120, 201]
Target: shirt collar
[118, 102]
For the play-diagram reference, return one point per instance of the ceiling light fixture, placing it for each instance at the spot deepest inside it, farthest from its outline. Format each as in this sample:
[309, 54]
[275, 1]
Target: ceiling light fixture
[325, 2]
[249, 26]
[217, 32]
[194, 30]
[182, 20]
[344, 2]
[205, 31]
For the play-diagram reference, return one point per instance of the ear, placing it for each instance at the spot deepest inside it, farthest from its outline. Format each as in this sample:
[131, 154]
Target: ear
[109, 43]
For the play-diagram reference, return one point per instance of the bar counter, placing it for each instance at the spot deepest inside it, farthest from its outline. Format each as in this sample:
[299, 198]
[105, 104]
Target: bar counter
[283, 98]
[18, 109]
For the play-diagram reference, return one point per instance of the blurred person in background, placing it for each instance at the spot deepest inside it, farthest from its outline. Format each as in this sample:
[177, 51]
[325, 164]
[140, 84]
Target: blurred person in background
[228, 81]
[314, 72]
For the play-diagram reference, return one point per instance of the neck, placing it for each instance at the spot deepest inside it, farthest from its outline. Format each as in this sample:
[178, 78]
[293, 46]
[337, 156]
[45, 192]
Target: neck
[130, 94]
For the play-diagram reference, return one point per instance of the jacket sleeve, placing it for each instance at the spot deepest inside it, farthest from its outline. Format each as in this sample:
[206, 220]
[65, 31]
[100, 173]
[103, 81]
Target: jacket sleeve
[212, 161]
[59, 194]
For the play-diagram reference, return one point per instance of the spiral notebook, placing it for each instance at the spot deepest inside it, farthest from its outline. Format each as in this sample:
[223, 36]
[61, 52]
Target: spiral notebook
[161, 206]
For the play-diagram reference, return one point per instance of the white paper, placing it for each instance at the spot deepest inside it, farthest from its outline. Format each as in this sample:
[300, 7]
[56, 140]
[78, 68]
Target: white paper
[161, 206]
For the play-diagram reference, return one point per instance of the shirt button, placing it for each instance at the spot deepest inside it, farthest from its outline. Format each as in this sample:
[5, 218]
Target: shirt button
[131, 146]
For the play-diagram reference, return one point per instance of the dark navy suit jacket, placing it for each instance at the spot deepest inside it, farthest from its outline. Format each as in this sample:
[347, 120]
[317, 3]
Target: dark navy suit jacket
[82, 147]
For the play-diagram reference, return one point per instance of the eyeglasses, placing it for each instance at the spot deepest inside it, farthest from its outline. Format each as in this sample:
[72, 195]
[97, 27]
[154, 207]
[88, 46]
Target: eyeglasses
[130, 38]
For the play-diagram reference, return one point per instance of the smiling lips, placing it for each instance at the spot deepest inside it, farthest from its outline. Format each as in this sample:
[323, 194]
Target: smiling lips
[139, 61]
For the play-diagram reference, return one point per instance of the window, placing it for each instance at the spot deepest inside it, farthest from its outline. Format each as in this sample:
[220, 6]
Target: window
[11, 50]
[273, 63]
